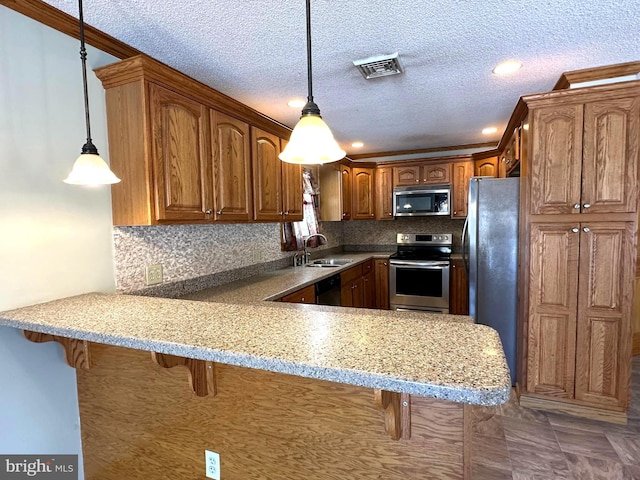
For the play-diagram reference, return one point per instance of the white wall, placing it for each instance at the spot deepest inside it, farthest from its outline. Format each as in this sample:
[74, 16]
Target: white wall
[55, 239]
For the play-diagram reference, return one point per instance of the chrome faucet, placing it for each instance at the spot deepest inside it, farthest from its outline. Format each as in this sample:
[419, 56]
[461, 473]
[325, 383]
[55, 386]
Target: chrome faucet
[307, 255]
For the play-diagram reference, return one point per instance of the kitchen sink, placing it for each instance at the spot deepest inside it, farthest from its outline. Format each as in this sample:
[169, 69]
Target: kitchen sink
[330, 262]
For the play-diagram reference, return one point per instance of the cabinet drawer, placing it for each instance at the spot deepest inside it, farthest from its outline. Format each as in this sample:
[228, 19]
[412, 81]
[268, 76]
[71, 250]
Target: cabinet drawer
[367, 267]
[304, 295]
[350, 275]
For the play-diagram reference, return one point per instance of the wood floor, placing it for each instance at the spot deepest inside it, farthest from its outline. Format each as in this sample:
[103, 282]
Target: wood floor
[521, 444]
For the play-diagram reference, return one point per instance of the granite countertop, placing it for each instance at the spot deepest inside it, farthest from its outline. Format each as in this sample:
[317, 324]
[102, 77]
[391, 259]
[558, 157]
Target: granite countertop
[433, 355]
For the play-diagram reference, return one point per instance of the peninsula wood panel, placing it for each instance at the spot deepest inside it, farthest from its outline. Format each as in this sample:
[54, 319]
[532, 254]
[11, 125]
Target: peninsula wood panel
[142, 421]
[610, 146]
[556, 159]
[180, 153]
[231, 168]
[553, 283]
[362, 207]
[267, 176]
[384, 193]
[603, 354]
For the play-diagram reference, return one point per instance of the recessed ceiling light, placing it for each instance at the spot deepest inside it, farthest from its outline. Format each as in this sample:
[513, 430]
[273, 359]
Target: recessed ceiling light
[357, 144]
[489, 130]
[505, 68]
[297, 102]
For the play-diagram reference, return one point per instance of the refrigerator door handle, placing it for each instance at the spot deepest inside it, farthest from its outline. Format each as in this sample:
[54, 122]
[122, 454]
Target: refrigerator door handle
[465, 258]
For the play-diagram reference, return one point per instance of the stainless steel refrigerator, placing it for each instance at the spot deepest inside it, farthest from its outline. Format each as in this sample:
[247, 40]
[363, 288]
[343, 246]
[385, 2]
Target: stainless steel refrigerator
[490, 249]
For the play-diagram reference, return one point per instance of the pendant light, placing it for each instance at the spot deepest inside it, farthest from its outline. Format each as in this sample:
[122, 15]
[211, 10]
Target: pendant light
[89, 168]
[311, 141]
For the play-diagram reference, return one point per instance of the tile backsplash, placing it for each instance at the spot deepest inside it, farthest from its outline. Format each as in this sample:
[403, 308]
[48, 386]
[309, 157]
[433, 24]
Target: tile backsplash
[198, 251]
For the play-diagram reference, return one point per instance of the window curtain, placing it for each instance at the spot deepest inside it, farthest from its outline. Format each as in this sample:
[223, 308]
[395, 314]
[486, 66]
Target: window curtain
[294, 233]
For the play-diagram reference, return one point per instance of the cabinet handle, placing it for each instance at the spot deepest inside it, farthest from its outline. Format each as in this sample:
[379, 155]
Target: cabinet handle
[576, 206]
[372, 214]
[417, 180]
[575, 229]
[208, 212]
[391, 214]
[586, 205]
[280, 213]
[286, 213]
[344, 172]
[455, 213]
[586, 229]
[219, 212]
[344, 214]
[302, 299]
[385, 264]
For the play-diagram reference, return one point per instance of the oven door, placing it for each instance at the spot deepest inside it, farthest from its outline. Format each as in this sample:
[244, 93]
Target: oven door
[419, 284]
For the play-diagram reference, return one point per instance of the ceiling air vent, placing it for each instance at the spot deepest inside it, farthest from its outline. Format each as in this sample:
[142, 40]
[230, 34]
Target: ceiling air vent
[380, 66]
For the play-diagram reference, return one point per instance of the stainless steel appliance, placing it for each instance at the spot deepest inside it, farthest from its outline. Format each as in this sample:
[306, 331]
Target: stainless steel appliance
[490, 249]
[421, 200]
[419, 272]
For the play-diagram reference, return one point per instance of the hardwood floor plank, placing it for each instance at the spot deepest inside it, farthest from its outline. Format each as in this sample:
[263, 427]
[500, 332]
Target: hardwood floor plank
[595, 445]
[526, 459]
[491, 452]
[483, 472]
[538, 435]
[586, 468]
[627, 448]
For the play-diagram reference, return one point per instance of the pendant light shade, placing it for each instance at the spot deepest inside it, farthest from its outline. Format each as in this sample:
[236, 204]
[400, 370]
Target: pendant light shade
[311, 141]
[89, 168]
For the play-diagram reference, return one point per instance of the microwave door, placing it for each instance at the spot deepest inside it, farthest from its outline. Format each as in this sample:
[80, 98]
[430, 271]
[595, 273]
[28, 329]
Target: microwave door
[419, 203]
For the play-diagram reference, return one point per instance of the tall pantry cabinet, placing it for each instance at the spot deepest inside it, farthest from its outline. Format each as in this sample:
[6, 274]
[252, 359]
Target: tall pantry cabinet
[578, 249]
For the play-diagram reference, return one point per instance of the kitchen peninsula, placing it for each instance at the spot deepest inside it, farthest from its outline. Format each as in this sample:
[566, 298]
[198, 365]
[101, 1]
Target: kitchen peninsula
[279, 390]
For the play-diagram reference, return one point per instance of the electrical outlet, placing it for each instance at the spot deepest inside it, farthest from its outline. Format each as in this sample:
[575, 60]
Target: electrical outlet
[257, 256]
[153, 274]
[212, 464]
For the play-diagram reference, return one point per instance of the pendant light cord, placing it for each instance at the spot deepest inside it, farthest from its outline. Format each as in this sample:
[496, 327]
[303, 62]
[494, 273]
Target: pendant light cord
[309, 76]
[88, 147]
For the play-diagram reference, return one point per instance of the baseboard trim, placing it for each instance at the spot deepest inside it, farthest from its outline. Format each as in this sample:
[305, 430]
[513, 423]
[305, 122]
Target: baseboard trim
[537, 403]
[635, 349]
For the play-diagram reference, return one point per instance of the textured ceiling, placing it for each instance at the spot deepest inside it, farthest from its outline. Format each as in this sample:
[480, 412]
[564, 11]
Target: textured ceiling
[254, 51]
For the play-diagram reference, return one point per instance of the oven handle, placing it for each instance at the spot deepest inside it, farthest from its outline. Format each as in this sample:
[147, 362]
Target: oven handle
[420, 264]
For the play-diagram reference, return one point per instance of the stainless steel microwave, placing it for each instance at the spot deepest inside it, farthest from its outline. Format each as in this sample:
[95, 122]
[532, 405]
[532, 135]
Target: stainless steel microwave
[422, 200]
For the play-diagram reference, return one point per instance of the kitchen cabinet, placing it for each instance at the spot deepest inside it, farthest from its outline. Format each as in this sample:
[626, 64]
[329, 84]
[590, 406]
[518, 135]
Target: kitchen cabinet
[180, 157]
[292, 200]
[267, 176]
[487, 167]
[585, 156]
[231, 168]
[580, 311]
[358, 286]
[462, 172]
[347, 205]
[458, 288]
[182, 149]
[362, 207]
[381, 268]
[335, 192]
[384, 193]
[422, 174]
[304, 295]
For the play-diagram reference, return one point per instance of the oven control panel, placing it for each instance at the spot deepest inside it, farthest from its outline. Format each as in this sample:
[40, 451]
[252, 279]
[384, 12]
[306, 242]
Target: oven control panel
[424, 238]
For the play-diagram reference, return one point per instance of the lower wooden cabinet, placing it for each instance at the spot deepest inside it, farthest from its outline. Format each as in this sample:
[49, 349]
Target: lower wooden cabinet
[304, 295]
[381, 267]
[458, 289]
[358, 286]
[580, 299]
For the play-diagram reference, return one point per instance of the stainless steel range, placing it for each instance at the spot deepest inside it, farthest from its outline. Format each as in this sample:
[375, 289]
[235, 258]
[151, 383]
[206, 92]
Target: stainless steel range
[419, 272]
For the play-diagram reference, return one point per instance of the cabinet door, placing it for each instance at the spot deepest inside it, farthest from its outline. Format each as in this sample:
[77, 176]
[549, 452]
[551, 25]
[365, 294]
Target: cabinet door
[346, 294]
[346, 192]
[437, 174]
[556, 159]
[358, 293]
[369, 290]
[603, 352]
[487, 167]
[267, 176]
[610, 155]
[180, 155]
[304, 295]
[462, 172]
[362, 205]
[553, 283]
[231, 168]
[458, 289]
[384, 193]
[382, 283]
[292, 200]
[406, 176]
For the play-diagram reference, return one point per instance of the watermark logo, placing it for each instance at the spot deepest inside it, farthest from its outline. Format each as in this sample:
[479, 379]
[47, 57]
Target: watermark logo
[49, 467]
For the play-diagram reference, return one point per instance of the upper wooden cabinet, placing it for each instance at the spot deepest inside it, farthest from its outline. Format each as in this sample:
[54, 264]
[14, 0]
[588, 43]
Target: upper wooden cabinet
[384, 193]
[292, 200]
[347, 185]
[462, 172]
[335, 192]
[584, 156]
[422, 174]
[362, 207]
[231, 168]
[267, 176]
[180, 151]
[487, 167]
[181, 148]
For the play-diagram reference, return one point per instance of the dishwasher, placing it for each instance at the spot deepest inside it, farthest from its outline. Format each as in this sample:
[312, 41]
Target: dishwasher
[328, 291]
